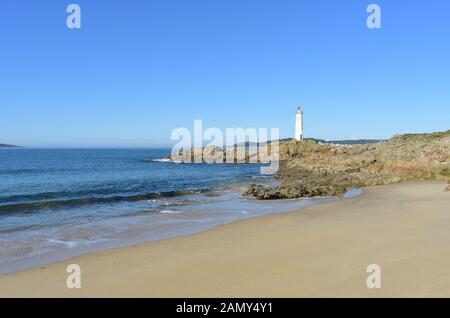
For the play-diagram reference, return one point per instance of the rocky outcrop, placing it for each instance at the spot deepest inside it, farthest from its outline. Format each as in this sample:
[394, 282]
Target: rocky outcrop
[310, 168]
[293, 190]
[228, 155]
[313, 169]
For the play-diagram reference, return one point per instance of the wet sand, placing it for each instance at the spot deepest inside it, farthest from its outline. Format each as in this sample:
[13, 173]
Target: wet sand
[322, 250]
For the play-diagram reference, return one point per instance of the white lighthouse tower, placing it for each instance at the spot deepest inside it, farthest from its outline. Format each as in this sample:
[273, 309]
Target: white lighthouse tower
[299, 124]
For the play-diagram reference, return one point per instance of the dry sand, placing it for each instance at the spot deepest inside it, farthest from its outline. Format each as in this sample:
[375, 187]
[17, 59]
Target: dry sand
[321, 251]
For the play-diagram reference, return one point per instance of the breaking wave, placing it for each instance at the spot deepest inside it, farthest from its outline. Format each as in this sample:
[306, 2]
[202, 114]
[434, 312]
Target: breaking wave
[51, 204]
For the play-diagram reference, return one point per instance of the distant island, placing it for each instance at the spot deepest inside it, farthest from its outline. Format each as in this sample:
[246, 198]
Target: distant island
[320, 141]
[347, 141]
[8, 146]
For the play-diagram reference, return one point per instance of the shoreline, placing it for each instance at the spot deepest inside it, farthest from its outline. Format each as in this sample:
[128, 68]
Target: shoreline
[311, 252]
[230, 207]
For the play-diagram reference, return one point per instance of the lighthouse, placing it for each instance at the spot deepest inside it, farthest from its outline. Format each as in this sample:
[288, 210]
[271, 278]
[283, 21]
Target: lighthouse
[299, 124]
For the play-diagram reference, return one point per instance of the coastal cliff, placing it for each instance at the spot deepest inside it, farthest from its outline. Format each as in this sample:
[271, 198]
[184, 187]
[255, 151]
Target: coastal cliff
[315, 169]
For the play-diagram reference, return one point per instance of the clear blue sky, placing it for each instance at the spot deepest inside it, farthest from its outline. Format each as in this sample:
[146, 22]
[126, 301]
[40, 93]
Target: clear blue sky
[138, 69]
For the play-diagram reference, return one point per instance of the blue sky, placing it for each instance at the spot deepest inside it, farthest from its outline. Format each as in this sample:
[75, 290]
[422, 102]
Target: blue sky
[137, 69]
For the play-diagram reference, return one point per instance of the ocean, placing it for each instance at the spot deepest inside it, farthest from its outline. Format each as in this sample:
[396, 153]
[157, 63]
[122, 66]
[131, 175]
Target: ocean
[60, 203]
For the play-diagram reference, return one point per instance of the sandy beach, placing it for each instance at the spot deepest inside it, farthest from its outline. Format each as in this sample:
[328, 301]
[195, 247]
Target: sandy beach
[319, 251]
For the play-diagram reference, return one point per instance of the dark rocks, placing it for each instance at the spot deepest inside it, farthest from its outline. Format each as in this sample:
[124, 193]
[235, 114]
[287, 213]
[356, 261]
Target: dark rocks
[300, 190]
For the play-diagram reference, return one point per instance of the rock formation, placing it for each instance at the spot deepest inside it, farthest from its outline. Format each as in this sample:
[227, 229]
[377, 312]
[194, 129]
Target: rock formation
[313, 169]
